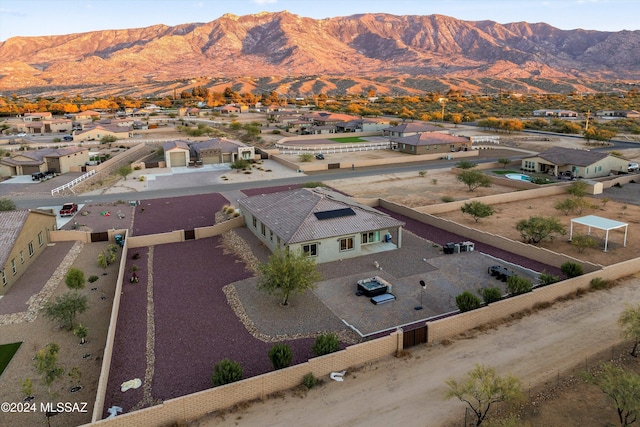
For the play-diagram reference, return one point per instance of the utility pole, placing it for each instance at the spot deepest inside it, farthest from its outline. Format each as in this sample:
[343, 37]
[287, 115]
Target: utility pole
[586, 126]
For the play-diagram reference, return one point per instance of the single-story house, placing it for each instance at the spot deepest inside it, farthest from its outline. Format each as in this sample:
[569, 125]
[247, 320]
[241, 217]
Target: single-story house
[411, 128]
[322, 224]
[578, 163]
[60, 160]
[554, 113]
[228, 109]
[629, 114]
[36, 117]
[49, 126]
[96, 133]
[176, 153]
[88, 115]
[24, 234]
[430, 143]
[220, 150]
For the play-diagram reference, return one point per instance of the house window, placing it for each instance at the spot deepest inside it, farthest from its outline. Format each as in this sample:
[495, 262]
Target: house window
[271, 235]
[30, 247]
[310, 250]
[263, 229]
[40, 239]
[4, 278]
[255, 222]
[346, 244]
[13, 266]
[370, 237]
[21, 257]
[278, 241]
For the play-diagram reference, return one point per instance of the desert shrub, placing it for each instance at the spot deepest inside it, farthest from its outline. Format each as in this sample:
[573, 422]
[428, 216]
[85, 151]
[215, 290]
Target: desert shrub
[305, 157]
[490, 295]
[92, 279]
[598, 283]
[313, 184]
[226, 371]
[446, 199]
[547, 279]
[325, 344]
[467, 301]
[136, 255]
[571, 269]
[309, 380]
[280, 356]
[422, 173]
[518, 285]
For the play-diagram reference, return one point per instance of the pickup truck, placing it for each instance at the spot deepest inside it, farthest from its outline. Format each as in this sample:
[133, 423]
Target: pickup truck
[69, 209]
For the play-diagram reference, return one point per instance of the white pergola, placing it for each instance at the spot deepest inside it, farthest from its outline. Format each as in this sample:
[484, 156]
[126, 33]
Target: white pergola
[602, 224]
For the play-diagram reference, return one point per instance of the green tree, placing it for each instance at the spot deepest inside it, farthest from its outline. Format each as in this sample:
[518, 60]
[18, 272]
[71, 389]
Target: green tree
[577, 189]
[325, 344]
[537, 228]
[46, 362]
[65, 308]
[226, 371]
[571, 269]
[518, 285]
[474, 179]
[74, 279]
[467, 301]
[239, 164]
[465, 164]
[477, 210]
[305, 157]
[280, 356]
[108, 139]
[623, 387]
[490, 295]
[504, 161]
[583, 241]
[629, 321]
[481, 388]
[566, 206]
[7, 204]
[125, 170]
[287, 272]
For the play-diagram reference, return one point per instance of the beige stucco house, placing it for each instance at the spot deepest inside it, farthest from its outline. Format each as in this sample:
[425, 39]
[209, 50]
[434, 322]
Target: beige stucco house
[96, 133]
[411, 128]
[59, 160]
[176, 153]
[578, 163]
[430, 143]
[220, 150]
[322, 224]
[23, 236]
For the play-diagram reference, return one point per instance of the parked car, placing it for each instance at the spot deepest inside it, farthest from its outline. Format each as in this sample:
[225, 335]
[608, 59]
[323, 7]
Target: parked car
[320, 156]
[633, 167]
[21, 135]
[37, 176]
[67, 138]
[69, 209]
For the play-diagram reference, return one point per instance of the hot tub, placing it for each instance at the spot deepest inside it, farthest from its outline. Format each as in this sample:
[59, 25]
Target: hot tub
[373, 286]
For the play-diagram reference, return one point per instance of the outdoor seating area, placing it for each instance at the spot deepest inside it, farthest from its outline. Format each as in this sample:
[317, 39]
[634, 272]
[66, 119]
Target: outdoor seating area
[500, 272]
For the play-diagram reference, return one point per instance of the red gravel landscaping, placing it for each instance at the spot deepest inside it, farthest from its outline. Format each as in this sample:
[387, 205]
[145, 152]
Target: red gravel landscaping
[177, 213]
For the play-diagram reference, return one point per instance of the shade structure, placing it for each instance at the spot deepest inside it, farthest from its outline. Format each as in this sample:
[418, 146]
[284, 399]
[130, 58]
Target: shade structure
[594, 221]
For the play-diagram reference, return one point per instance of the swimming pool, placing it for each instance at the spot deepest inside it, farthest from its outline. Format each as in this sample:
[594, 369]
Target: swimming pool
[518, 177]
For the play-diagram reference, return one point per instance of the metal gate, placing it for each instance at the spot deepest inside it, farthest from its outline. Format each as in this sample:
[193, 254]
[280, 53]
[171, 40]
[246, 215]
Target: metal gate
[333, 166]
[414, 337]
[100, 237]
[189, 234]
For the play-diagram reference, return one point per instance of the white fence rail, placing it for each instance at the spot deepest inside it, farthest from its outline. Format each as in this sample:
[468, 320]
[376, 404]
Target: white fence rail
[328, 149]
[73, 183]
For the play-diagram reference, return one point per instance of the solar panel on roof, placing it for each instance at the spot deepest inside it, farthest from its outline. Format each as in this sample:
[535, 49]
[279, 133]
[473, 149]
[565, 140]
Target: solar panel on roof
[334, 213]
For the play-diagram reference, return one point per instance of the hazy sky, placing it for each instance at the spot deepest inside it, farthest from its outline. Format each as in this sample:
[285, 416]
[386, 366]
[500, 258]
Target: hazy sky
[50, 17]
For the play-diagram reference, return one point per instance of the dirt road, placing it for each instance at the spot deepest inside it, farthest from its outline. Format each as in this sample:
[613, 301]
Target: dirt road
[409, 391]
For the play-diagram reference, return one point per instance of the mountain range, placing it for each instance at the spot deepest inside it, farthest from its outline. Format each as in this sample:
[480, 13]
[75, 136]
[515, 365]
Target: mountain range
[301, 56]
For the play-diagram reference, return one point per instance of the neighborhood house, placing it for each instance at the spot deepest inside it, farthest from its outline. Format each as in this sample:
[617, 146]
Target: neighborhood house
[576, 163]
[60, 160]
[322, 224]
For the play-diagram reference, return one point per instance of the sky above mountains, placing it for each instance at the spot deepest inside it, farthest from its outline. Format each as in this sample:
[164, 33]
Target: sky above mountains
[53, 17]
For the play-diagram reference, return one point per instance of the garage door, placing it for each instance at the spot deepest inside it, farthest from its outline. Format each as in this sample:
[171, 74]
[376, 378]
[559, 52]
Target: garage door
[178, 159]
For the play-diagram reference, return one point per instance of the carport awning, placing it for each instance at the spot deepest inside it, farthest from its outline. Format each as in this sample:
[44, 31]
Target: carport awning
[602, 224]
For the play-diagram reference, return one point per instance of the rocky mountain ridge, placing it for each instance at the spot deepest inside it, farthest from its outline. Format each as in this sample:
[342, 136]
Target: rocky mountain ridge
[280, 46]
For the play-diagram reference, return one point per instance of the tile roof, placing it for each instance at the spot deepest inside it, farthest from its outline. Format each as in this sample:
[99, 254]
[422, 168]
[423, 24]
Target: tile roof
[414, 127]
[37, 157]
[290, 215]
[561, 156]
[11, 223]
[430, 138]
[169, 145]
[226, 145]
